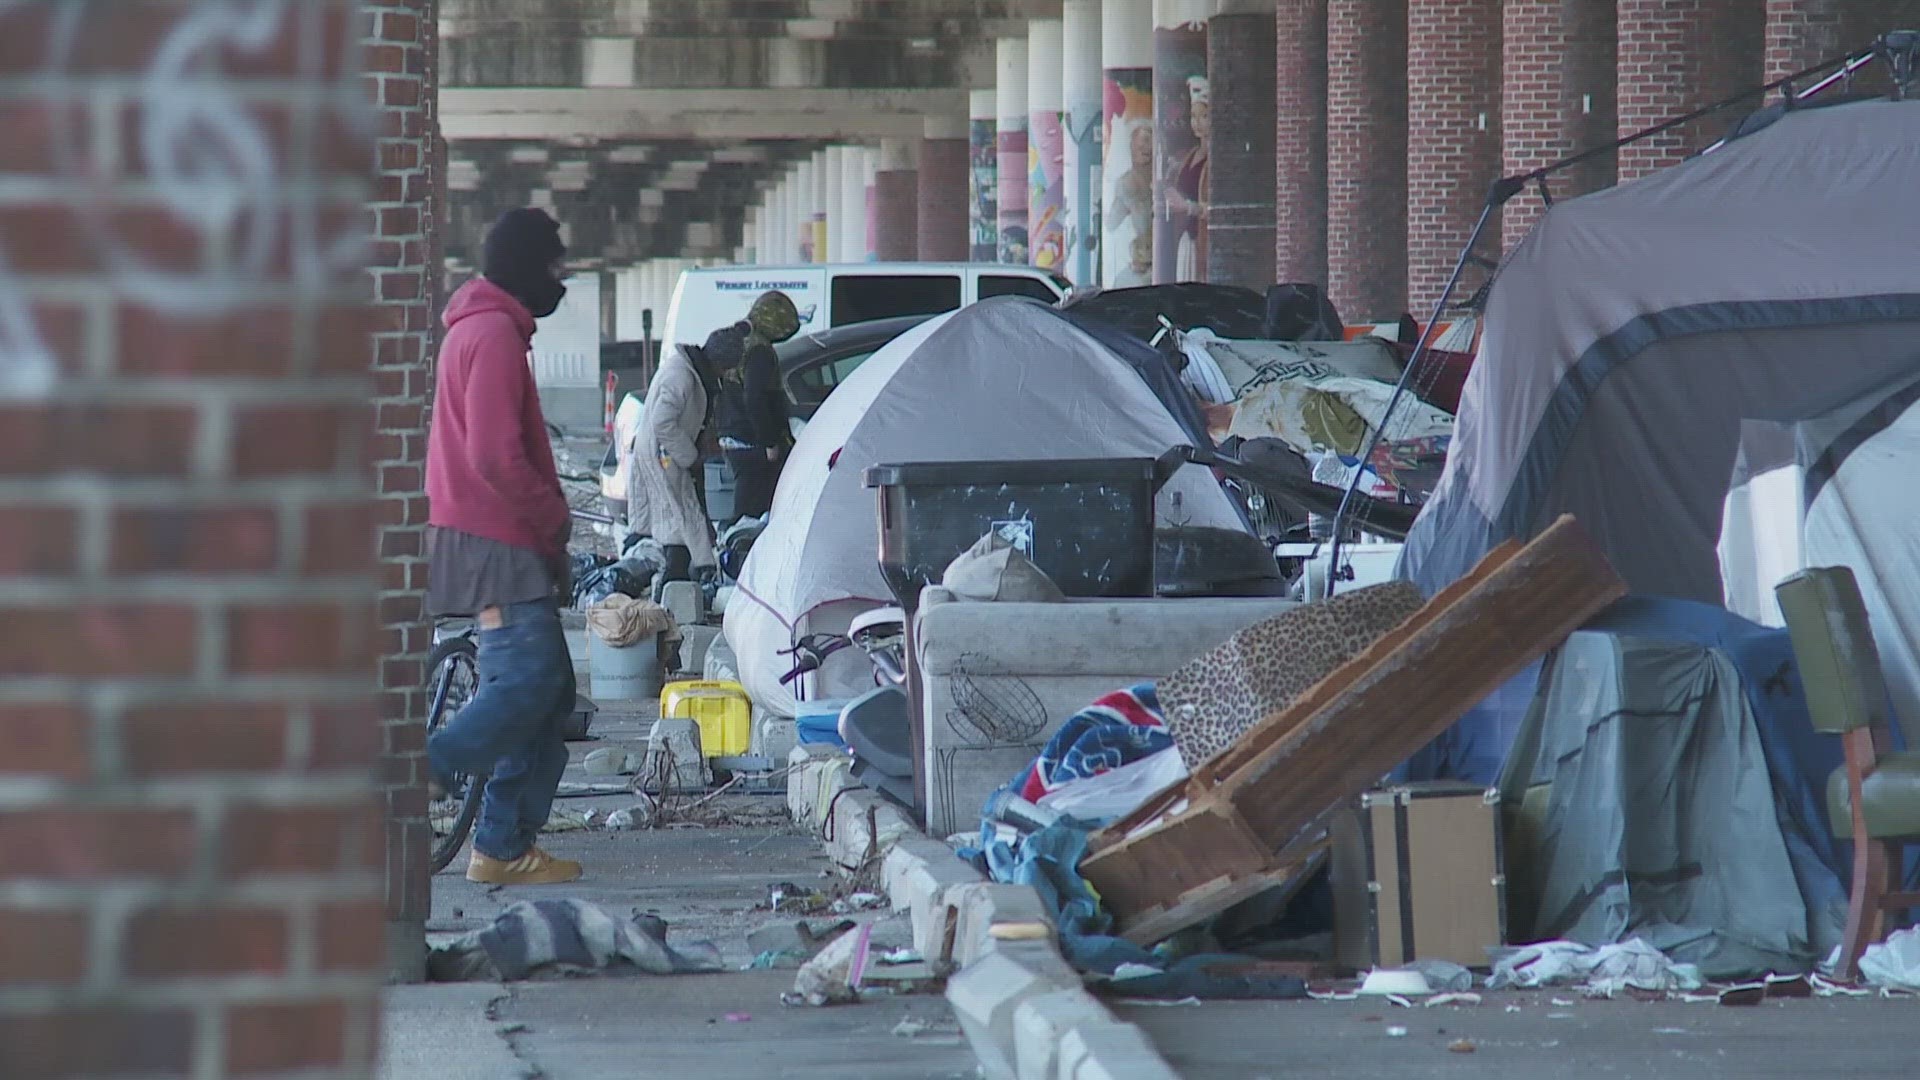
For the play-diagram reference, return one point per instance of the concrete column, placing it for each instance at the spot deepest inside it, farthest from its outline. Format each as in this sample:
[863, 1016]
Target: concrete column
[1558, 99]
[1239, 196]
[1127, 140]
[1300, 141]
[834, 202]
[805, 196]
[1080, 94]
[945, 199]
[983, 176]
[1675, 56]
[1047, 152]
[1183, 125]
[745, 251]
[1453, 139]
[825, 198]
[849, 218]
[1010, 142]
[788, 246]
[1367, 158]
[869, 172]
[896, 204]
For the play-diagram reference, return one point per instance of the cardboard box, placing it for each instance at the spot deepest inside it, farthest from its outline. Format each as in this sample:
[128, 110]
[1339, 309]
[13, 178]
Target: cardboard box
[1417, 874]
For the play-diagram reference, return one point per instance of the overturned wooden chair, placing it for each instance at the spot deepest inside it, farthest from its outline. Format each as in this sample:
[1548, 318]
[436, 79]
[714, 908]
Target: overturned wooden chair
[1875, 797]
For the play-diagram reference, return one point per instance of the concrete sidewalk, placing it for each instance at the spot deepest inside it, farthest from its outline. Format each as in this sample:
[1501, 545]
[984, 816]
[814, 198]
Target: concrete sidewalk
[1861, 1039]
[707, 882]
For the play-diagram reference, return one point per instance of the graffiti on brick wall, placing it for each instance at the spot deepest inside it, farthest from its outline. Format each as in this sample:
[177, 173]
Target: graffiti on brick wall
[200, 200]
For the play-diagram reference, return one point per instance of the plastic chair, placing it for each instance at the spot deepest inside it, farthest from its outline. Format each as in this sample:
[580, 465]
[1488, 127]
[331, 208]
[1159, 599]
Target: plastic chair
[1875, 797]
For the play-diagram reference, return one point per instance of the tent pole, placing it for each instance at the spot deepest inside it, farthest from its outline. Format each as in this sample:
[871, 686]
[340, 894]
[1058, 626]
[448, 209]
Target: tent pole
[1502, 190]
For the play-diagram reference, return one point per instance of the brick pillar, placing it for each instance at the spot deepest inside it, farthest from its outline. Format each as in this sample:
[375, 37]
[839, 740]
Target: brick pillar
[1240, 183]
[1676, 56]
[1453, 140]
[1367, 158]
[1802, 33]
[943, 199]
[1559, 100]
[401, 47]
[896, 209]
[191, 829]
[1300, 141]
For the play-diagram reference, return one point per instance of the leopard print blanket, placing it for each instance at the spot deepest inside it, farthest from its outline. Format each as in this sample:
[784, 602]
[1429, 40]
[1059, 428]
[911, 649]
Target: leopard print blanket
[1213, 699]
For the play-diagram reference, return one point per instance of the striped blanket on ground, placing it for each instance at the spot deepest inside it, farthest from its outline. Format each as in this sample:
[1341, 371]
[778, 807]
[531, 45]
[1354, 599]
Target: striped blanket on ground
[1116, 730]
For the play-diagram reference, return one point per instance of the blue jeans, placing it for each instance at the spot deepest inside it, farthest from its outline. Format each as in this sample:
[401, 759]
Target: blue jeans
[513, 730]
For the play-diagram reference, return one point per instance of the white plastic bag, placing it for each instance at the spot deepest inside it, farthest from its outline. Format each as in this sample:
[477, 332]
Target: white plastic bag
[1118, 792]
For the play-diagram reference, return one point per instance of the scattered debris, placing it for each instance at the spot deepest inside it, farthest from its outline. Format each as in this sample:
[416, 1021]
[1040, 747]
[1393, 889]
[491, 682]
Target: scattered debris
[561, 820]
[1671, 1031]
[1135, 971]
[1747, 994]
[737, 1017]
[610, 761]
[1396, 1032]
[910, 1027]
[1789, 986]
[565, 936]
[833, 977]
[1893, 964]
[1405, 982]
[1825, 987]
[638, 816]
[1461, 1046]
[1461, 998]
[1444, 976]
[1020, 931]
[1604, 972]
[1165, 1002]
[1396, 999]
[773, 960]
[782, 935]
[1561, 1002]
[901, 956]
[860, 901]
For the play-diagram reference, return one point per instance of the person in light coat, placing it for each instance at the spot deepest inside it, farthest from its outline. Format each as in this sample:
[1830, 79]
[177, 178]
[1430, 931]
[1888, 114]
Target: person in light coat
[664, 500]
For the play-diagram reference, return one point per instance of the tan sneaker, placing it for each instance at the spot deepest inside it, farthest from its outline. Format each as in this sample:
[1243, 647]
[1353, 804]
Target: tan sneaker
[536, 867]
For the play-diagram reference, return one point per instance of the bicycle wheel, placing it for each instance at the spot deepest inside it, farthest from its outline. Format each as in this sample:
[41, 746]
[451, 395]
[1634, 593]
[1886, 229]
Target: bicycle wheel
[453, 675]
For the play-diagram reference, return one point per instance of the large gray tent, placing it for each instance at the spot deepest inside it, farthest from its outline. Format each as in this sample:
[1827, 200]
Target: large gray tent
[1649, 345]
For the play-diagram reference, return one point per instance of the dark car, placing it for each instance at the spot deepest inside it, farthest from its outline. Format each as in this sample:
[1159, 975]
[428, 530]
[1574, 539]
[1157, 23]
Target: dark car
[811, 365]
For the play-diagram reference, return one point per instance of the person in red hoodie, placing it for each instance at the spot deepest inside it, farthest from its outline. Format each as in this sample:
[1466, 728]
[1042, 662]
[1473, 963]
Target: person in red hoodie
[497, 535]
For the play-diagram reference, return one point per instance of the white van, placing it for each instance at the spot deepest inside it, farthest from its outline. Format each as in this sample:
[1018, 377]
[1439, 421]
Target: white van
[835, 294]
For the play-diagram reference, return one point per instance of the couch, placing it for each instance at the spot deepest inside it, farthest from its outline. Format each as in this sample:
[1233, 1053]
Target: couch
[1051, 660]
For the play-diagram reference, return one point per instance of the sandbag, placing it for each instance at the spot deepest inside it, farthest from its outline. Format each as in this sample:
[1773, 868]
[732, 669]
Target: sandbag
[993, 569]
[622, 620]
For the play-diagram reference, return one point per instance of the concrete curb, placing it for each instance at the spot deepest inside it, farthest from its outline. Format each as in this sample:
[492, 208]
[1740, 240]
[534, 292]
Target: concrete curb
[1024, 1009]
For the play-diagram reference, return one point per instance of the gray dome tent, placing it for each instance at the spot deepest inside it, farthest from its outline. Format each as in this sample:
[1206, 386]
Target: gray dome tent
[1648, 345]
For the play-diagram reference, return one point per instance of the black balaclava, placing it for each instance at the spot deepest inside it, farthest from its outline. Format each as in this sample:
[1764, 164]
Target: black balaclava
[520, 251]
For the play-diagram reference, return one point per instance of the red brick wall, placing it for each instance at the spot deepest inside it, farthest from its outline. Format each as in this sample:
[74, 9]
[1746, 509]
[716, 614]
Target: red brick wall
[942, 177]
[1240, 182]
[896, 215]
[192, 838]
[1676, 56]
[1367, 157]
[1558, 73]
[400, 38]
[1453, 139]
[1300, 141]
[1802, 33]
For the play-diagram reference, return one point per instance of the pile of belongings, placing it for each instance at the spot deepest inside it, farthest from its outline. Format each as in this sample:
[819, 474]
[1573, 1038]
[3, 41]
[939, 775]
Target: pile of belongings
[1323, 401]
[621, 620]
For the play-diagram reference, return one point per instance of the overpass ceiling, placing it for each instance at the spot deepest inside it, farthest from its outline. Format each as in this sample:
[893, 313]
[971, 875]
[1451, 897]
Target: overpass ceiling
[588, 104]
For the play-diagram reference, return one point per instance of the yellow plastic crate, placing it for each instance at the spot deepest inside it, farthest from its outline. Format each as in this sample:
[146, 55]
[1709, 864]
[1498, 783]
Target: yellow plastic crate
[721, 709]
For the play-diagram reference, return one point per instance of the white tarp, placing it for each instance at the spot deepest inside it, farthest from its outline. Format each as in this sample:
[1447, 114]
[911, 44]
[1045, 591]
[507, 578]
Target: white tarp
[1006, 379]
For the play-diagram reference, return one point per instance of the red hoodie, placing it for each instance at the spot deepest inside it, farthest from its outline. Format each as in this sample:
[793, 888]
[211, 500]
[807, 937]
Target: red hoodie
[489, 467]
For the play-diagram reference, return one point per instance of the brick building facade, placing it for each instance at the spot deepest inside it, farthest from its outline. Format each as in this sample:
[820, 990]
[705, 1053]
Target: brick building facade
[1411, 108]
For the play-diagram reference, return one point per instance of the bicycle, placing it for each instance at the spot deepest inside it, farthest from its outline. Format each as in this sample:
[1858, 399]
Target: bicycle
[453, 675]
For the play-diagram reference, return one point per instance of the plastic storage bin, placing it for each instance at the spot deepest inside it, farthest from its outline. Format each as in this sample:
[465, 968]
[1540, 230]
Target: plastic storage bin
[1088, 524]
[722, 709]
[818, 722]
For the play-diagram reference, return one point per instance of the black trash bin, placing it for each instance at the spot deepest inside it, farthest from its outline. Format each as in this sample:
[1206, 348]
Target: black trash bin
[1088, 524]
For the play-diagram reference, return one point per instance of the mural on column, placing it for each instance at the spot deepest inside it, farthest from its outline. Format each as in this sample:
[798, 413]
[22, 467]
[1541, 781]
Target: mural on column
[983, 183]
[1046, 191]
[1126, 222]
[1183, 121]
[1013, 191]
